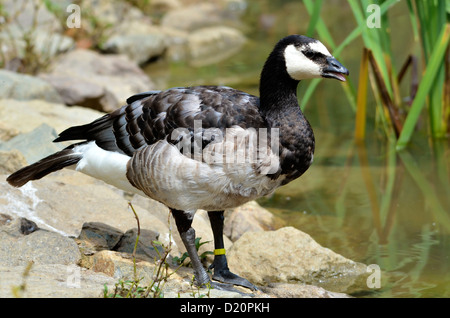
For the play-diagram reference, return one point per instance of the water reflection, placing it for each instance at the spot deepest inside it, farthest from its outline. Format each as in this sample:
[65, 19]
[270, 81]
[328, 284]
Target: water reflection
[377, 206]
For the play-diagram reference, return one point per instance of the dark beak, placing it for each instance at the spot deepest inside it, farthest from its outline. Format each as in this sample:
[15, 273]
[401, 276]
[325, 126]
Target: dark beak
[334, 69]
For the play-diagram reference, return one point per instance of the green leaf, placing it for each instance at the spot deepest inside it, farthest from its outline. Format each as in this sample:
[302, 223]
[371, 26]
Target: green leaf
[315, 16]
[435, 61]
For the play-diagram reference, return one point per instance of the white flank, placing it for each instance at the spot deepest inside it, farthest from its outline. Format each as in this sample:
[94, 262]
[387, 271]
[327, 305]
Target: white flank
[298, 66]
[108, 166]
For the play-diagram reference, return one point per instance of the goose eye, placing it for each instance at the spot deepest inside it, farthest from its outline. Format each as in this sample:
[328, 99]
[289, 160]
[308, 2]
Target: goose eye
[310, 54]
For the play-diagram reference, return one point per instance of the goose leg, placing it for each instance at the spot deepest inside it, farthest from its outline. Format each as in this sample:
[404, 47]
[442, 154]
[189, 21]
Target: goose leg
[220, 265]
[187, 233]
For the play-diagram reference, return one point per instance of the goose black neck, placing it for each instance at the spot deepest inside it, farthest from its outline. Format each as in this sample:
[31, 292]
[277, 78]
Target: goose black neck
[278, 90]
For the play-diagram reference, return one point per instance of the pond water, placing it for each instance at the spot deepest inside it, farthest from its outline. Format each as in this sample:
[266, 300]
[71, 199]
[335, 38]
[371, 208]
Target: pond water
[364, 201]
[375, 206]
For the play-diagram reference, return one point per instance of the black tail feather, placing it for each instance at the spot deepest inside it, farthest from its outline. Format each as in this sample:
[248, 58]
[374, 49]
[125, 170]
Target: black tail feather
[101, 130]
[43, 167]
[86, 132]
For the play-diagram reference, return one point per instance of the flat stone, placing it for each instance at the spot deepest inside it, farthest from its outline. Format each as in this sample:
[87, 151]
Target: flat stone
[145, 248]
[20, 116]
[34, 145]
[11, 161]
[291, 256]
[22, 242]
[115, 73]
[285, 290]
[100, 236]
[52, 281]
[250, 217]
[25, 87]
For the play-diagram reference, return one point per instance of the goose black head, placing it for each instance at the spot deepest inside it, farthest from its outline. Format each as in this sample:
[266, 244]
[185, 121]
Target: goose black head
[309, 58]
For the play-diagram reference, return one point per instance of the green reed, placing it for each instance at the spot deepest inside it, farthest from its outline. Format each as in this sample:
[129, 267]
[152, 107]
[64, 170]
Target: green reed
[430, 22]
[431, 30]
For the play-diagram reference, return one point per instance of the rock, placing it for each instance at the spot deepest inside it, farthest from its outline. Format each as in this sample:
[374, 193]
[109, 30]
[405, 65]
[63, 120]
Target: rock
[47, 277]
[43, 49]
[128, 31]
[23, 242]
[250, 217]
[203, 33]
[41, 29]
[289, 255]
[24, 116]
[53, 281]
[112, 14]
[11, 161]
[211, 45]
[25, 11]
[65, 200]
[144, 250]
[80, 92]
[164, 6]
[114, 264]
[203, 46]
[285, 290]
[116, 74]
[200, 15]
[140, 42]
[53, 45]
[178, 285]
[6, 133]
[99, 202]
[34, 145]
[100, 236]
[5, 219]
[26, 87]
[27, 226]
[118, 262]
[140, 48]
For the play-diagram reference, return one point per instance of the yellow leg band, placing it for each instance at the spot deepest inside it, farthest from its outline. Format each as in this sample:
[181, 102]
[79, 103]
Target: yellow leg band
[219, 251]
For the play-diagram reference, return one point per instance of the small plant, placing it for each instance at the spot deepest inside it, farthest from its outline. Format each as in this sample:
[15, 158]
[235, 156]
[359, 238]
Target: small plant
[18, 291]
[195, 290]
[132, 288]
[198, 243]
[125, 289]
[21, 51]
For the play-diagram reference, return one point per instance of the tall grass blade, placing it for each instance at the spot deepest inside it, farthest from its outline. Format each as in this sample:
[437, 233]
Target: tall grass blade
[321, 27]
[411, 62]
[313, 8]
[412, 16]
[385, 96]
[371, 40]
[361, 102]
[434, 63]
[314, 18]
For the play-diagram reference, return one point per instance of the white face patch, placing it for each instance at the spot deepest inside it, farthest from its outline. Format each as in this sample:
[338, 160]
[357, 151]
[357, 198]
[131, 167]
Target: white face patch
[298, 66]
[319, 47]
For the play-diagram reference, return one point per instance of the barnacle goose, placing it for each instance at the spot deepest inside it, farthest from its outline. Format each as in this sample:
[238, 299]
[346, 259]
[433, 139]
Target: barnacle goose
[203, 147]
